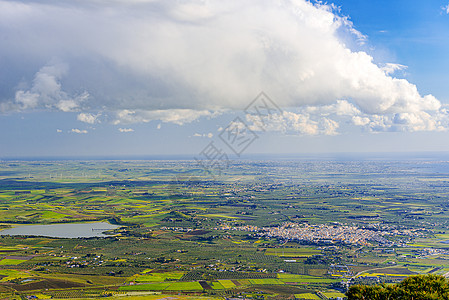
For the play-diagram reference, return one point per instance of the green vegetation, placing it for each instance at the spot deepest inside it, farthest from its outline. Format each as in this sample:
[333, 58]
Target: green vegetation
[152, 277]
[7, 261]
[293, 252]
[146, 287]
[425, 287]
[263, 229]
[308, 296]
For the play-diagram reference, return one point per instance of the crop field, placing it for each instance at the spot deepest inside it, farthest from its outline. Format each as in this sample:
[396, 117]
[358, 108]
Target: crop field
[175, 286]
[150, 277]
[308, 296]
[333, 295]
[7, 261]
[269, 229]
[216, 285]
[293, 252]
[146, 287]
[227, 283]
[185, 286]
[265, 281]
[293, 278]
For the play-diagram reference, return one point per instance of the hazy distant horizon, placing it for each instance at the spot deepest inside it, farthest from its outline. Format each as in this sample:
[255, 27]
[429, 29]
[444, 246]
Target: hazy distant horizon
[342, 156]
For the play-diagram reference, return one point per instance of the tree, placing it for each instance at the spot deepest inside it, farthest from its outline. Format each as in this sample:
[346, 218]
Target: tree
[417, 287]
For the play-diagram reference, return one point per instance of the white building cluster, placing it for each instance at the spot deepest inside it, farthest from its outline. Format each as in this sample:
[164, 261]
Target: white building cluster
[324, 233]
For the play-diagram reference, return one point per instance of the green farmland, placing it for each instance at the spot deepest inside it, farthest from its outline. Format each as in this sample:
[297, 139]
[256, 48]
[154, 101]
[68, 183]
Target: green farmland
[273, 230]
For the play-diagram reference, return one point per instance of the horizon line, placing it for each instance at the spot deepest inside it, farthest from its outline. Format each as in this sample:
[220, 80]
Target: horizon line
[396, 155]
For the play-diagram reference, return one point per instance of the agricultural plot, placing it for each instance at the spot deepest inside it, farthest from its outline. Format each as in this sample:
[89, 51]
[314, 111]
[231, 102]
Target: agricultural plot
[156, 277]
[146, 287]
[333, 295]
[227, 284]
[265, 281]
[7, 261]
[217, 285]
[195, 235]
[292, 252]
[308, 296]
[292, 278]
[175, 286]
[185, 286]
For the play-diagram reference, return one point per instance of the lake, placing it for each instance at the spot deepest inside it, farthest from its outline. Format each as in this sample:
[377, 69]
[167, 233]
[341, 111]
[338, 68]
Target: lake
[71, 230]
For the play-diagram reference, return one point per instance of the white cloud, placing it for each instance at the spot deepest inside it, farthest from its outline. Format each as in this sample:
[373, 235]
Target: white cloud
[410, 122]
[46, 92]
[176, 116]
[87, 118]
[67, 105]
[340, 108]
[27, 99]
[326, 120]
[329, 127]
[298, 123]
[192, 58]
[76, 130]
[126, 130]
[445, 9]
[208, 135]
[360, 121]
[391, 68]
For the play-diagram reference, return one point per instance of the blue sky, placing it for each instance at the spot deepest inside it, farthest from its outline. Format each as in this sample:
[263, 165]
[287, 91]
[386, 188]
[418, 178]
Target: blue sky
[170, 78]
[413, 33]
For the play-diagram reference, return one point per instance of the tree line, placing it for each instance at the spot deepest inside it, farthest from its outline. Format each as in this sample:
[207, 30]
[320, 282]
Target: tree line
[417, 287]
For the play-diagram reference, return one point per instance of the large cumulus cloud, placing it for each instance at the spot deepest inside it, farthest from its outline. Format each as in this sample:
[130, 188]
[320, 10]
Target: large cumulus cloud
[176, 61]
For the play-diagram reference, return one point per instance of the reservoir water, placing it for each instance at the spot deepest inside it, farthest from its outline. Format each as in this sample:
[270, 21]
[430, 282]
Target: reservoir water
[71, 230]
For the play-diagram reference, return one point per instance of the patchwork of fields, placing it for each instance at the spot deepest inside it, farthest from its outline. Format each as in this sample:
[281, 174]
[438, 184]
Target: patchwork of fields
[183, 234]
